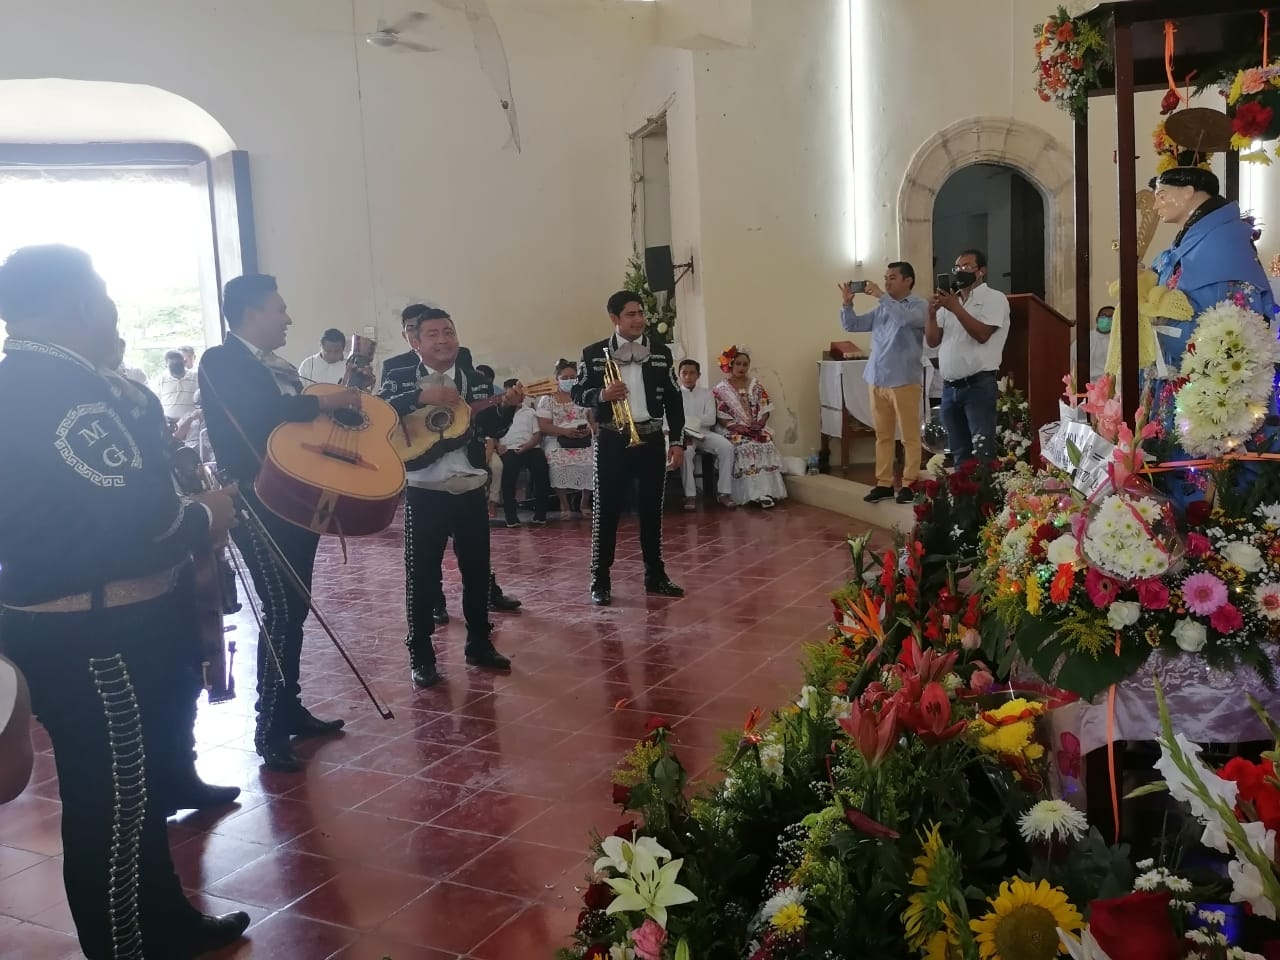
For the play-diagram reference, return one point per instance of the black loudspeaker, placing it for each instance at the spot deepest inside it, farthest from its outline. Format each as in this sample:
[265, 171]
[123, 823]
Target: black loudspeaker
[659, 270]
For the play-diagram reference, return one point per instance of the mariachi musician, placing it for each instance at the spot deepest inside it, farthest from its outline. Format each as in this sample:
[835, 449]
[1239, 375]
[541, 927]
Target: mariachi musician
[629, 381]
[247, 390]
[446, 494]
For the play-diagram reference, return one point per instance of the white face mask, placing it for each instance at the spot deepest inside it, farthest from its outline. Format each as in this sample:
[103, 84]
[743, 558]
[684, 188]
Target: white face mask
[566, 385]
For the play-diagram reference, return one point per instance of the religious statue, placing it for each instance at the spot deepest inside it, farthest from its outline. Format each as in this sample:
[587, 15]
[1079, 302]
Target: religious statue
[1212, 258]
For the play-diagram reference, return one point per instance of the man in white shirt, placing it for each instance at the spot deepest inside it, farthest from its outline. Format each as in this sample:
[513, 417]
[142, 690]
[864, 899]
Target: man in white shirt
[699, 432]
[329, 365]
[176, 387]
[521, 448]
[969, 323]
[129, 373]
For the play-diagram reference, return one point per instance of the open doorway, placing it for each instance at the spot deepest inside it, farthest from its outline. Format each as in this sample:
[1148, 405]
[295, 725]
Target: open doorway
[146, 230]
[996, 209]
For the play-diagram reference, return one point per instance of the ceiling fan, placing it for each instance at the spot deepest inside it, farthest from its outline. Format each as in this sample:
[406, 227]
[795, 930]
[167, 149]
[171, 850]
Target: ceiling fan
[387, 36]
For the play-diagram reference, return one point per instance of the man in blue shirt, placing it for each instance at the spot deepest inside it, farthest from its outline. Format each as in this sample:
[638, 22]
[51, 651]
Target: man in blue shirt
[894, 372]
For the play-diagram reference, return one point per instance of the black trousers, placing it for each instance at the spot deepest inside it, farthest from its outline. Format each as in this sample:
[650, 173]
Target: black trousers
[102, 684]
[431, 517]
[535, 461]
[284, 610]
[616, 466]
[173, 757]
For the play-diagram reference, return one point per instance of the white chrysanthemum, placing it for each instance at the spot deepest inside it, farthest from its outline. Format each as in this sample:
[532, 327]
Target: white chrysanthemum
[1269, 513]
[1145, 864]
[783, 898]
[771, 756]
[1229, 366]
[1052, 820]
[1117, 542]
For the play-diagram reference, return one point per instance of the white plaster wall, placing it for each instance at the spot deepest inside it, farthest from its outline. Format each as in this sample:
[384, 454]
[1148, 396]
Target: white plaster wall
[523, 248]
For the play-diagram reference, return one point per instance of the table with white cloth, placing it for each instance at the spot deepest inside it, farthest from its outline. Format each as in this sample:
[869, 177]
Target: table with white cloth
[844, 402]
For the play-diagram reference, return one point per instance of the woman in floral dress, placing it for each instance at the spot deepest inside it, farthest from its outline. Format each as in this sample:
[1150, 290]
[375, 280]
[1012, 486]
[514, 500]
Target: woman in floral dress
[743, 408]
[567, 430]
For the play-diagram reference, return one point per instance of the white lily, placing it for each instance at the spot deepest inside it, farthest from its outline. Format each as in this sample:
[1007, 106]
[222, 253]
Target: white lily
[619, 853]
[649, 887]
[1085, 948]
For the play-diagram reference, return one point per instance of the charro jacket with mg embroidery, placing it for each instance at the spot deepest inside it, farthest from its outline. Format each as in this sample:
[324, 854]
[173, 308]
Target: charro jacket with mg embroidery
[87, 495]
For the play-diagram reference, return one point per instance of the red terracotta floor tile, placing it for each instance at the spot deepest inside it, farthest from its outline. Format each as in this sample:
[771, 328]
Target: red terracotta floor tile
[453, 917]
[460, 827]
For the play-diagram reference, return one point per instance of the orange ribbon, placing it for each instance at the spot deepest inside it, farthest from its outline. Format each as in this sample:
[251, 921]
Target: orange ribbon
[1111, 751]
[1170, 28]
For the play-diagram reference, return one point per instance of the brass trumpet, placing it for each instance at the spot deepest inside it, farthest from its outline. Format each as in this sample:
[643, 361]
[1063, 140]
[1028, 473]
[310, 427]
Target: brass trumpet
[621, 408]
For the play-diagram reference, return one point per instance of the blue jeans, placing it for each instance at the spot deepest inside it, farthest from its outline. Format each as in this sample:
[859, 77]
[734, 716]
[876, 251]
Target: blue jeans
[969, 415]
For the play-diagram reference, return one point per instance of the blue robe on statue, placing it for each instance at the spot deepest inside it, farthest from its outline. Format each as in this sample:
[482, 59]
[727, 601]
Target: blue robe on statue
[1215, 260]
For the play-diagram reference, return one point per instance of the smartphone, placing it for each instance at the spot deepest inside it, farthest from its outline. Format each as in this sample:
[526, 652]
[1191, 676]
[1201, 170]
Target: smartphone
[943, 281]
[857, 286]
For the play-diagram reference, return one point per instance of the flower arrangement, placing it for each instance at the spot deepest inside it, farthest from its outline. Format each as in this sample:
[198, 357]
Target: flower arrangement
[1070, 54]
[1014, 434]
[1229, 369]
[1253, 100]
[660, 319]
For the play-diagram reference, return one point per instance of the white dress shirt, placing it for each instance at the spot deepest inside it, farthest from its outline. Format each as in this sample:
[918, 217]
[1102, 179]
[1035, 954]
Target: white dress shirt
[961, 356]
[523, 426]
[453, 472]
[177, 394]
[633, 377]
[699, 408]
[316, 369]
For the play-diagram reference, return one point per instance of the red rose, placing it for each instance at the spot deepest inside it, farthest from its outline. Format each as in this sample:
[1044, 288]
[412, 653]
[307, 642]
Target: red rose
[1152, 594]
[621, 795]
[656, 723]
[1198, 545]
[1136, 926]
[1226, 619]
[948, 602]
[1198, 513]
[626, 830]
[598, 896]
[932, 488]
[1252, 120]
[922, 510]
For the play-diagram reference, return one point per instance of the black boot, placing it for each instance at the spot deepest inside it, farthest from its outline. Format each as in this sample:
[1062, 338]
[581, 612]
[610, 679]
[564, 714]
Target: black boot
[422, 664]
[214, 933]
[498, 600]
[480, 652]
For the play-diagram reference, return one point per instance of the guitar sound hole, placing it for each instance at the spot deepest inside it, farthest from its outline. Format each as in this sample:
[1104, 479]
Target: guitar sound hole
[349, 419]
[440, 420]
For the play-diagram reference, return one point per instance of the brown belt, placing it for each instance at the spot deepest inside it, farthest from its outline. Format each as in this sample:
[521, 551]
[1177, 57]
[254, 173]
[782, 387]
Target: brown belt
[120, 593]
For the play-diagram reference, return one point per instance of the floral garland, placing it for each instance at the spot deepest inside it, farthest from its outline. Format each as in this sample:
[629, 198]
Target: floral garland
[1070, 52]
[1230, 371]
[1253, 99]
[1013, 422]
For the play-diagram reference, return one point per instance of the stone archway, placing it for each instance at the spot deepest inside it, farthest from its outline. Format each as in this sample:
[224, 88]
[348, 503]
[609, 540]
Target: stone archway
[1028, 149]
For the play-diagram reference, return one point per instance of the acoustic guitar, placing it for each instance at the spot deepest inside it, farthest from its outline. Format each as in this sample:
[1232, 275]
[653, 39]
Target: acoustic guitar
[436, 429]
[337, 473]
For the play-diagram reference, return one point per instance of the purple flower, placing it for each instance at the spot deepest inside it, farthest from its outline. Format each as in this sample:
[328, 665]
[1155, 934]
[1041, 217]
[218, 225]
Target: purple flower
[1203, 593]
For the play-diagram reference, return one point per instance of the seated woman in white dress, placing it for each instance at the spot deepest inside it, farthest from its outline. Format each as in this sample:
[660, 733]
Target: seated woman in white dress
[742, 409]
[566, 430]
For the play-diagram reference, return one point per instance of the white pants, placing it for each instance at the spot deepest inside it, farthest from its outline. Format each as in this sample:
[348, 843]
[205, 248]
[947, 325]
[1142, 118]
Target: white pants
[495, 481]
[719, 447]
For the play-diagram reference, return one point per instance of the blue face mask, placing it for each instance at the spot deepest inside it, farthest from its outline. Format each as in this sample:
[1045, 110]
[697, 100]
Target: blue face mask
[1104, 324]
[566, 385]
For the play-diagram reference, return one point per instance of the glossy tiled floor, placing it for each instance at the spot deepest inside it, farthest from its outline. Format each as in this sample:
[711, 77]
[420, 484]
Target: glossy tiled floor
[459, 828]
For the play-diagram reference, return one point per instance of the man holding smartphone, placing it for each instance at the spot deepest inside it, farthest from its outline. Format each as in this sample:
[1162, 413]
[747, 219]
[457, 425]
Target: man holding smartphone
[969, 322]
[894, 372]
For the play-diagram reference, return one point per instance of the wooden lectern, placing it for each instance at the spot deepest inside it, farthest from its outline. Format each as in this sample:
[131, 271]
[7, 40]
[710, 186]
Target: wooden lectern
[1037, 354]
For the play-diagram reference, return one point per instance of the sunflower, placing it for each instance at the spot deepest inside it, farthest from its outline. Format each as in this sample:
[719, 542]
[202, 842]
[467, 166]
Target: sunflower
[935, 876]
[1023, 922]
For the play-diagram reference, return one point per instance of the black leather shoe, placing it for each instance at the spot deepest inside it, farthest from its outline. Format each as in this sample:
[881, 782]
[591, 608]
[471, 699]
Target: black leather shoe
[306, 725]
[488, 659]
[876, 494]
[425, 676]
[279, 757]
[906, 496]
[201, 796]
[663, 588]
[499, 600]
[440, 615]
[214, 933]
[601, 593]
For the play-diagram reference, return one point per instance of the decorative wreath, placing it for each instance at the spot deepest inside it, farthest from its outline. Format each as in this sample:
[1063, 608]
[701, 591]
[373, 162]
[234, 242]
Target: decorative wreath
[729, 355]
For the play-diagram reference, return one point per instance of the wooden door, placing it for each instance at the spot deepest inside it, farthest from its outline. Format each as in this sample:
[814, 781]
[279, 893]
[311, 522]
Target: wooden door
[1027, 239]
